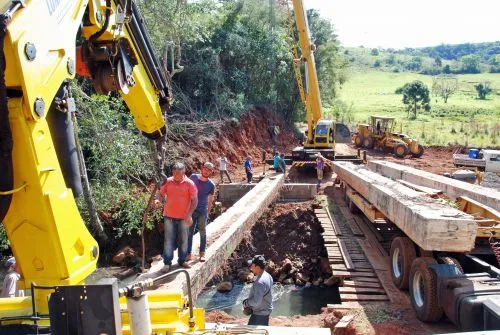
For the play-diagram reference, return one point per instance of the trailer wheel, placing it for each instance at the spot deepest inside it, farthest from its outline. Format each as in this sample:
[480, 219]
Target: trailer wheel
[400, 150]
[451, 261]
[358, 140]
[402, 255]
[419, 153]
[423, 290]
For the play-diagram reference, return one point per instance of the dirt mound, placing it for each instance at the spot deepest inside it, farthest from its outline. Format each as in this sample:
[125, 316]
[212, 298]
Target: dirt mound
[289, 236]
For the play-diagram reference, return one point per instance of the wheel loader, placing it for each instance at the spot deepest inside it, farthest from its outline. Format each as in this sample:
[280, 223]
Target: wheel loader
[380, 134]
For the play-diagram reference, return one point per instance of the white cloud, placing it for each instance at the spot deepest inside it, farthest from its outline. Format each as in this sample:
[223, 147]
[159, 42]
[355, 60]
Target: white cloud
[405, 23]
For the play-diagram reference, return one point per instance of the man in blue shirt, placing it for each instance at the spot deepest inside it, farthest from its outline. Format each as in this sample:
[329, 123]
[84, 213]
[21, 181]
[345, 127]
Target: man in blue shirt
[206, 189]
[248, 169]
[260, 300]
[276, 162]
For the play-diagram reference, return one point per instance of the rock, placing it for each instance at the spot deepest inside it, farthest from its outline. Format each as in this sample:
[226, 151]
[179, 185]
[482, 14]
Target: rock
[243, 274]
[332, 281]
[293, 271]
[317, 282]
[308, 284]
[288, 281]
[287, 265]
[125, 252]
[282, 277]
[325, 265]
[314, 260]
[292, 234]
[225, 286]
[299, 282]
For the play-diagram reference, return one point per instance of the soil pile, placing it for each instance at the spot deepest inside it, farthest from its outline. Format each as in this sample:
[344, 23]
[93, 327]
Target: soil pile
[289, 237]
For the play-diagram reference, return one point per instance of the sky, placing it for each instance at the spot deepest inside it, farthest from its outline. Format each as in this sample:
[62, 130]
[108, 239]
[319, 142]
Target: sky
[411, 23]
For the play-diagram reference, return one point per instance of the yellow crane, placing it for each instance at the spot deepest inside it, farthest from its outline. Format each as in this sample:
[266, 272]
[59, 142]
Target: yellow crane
[322, 134]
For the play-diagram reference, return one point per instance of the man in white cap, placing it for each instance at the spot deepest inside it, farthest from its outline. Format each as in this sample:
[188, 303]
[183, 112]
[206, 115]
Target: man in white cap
[9, 287]
[320, 165]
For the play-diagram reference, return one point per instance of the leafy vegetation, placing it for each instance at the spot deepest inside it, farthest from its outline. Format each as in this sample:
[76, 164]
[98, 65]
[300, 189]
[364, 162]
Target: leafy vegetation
[416, 97]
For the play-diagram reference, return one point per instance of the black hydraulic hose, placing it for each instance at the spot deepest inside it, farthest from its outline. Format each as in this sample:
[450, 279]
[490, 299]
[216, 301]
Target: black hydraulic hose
[6, 144]
[98, 34]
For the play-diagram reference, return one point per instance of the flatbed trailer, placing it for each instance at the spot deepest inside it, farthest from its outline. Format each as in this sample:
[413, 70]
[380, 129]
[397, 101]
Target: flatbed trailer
[464, 286]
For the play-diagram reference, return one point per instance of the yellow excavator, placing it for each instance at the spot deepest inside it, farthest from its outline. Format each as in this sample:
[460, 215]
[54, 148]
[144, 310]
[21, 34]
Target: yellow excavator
[321, 134]
[39, 171]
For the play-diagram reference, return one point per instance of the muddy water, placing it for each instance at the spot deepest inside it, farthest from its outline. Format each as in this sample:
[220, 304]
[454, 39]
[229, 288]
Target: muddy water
[288, 300]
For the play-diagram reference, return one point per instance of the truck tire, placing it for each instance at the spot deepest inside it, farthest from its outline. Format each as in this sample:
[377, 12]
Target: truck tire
[451, 261]
[402, 255]
[369, 143]
[423, 290]
[419, 153]
[400, 150]
[358, 140]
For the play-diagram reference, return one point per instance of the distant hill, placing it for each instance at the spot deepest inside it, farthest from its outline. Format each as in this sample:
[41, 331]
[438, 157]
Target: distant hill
[441, 59]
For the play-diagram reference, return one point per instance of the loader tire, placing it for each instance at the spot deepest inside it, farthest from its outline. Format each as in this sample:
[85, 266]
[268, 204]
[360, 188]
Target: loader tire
[419, 153]
[369, 143]
[358, 140]
[400, 150]
[423, 290]
[402, 255]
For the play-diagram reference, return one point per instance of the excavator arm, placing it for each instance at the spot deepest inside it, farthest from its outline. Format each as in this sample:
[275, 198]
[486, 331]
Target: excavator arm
[37, 197]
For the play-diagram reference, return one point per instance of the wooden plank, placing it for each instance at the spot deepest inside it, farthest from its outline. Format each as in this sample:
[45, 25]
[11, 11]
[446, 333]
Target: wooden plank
[363, 297]
[361, 290]
[335, 224]
[357, 283]
[345, 306]
[348, 261]
[353, 274]
[367, 279]
[432, 192]
[338, 267]
[341, 326]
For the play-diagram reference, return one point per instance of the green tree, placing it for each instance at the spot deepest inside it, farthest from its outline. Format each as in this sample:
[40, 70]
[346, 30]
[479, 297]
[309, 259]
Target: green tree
[416, 97]
[470, 63]
[483, 89]
[374, 52]
[444, 86]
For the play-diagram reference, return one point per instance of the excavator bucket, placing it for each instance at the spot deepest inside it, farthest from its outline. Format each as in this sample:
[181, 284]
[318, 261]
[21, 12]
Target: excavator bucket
[342, 133]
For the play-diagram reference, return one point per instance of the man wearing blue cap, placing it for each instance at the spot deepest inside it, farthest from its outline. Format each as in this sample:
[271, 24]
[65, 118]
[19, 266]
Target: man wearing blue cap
[9, 287]
[260, 301]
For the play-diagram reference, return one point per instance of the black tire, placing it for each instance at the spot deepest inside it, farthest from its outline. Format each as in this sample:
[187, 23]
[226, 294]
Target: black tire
[419, 153]
[423, 290]
[400, 150]
[451, 261]
[368, 143]
[358, 140]
[402, 255]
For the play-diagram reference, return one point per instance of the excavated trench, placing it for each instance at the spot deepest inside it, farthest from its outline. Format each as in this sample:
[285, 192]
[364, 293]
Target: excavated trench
[289, 236]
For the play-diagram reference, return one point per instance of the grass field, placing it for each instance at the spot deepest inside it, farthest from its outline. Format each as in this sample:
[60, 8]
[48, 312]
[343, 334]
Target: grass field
[464, 120]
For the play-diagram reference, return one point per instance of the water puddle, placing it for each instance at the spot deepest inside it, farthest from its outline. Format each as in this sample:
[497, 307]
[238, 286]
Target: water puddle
[288, 300]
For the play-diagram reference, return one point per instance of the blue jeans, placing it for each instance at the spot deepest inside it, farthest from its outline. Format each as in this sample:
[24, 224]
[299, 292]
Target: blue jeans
[258, 320]
[200, 221]
[176, 235]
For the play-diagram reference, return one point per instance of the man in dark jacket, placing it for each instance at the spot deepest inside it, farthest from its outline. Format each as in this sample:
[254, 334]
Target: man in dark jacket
[260, 300]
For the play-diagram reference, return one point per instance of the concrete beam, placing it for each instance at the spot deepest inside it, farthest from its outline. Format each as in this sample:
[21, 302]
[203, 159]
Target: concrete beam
[225, 233]
[428, 222]
[288, 192]
[451, 187]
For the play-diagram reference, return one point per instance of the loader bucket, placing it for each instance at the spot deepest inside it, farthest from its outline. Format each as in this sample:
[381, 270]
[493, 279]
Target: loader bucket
[342, 133]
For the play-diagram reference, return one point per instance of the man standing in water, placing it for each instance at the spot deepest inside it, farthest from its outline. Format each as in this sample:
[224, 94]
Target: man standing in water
[260, 300]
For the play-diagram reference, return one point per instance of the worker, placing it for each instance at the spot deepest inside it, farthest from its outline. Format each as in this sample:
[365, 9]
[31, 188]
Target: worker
[276, 161]
[206, 190]
[9, 286]
[378, 127]
[320, 166]
[248, 169]
[260, 301]
[181, 201]
[223, 168]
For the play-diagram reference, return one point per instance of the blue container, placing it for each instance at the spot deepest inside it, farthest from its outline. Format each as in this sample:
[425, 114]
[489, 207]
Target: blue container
[473, 153]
